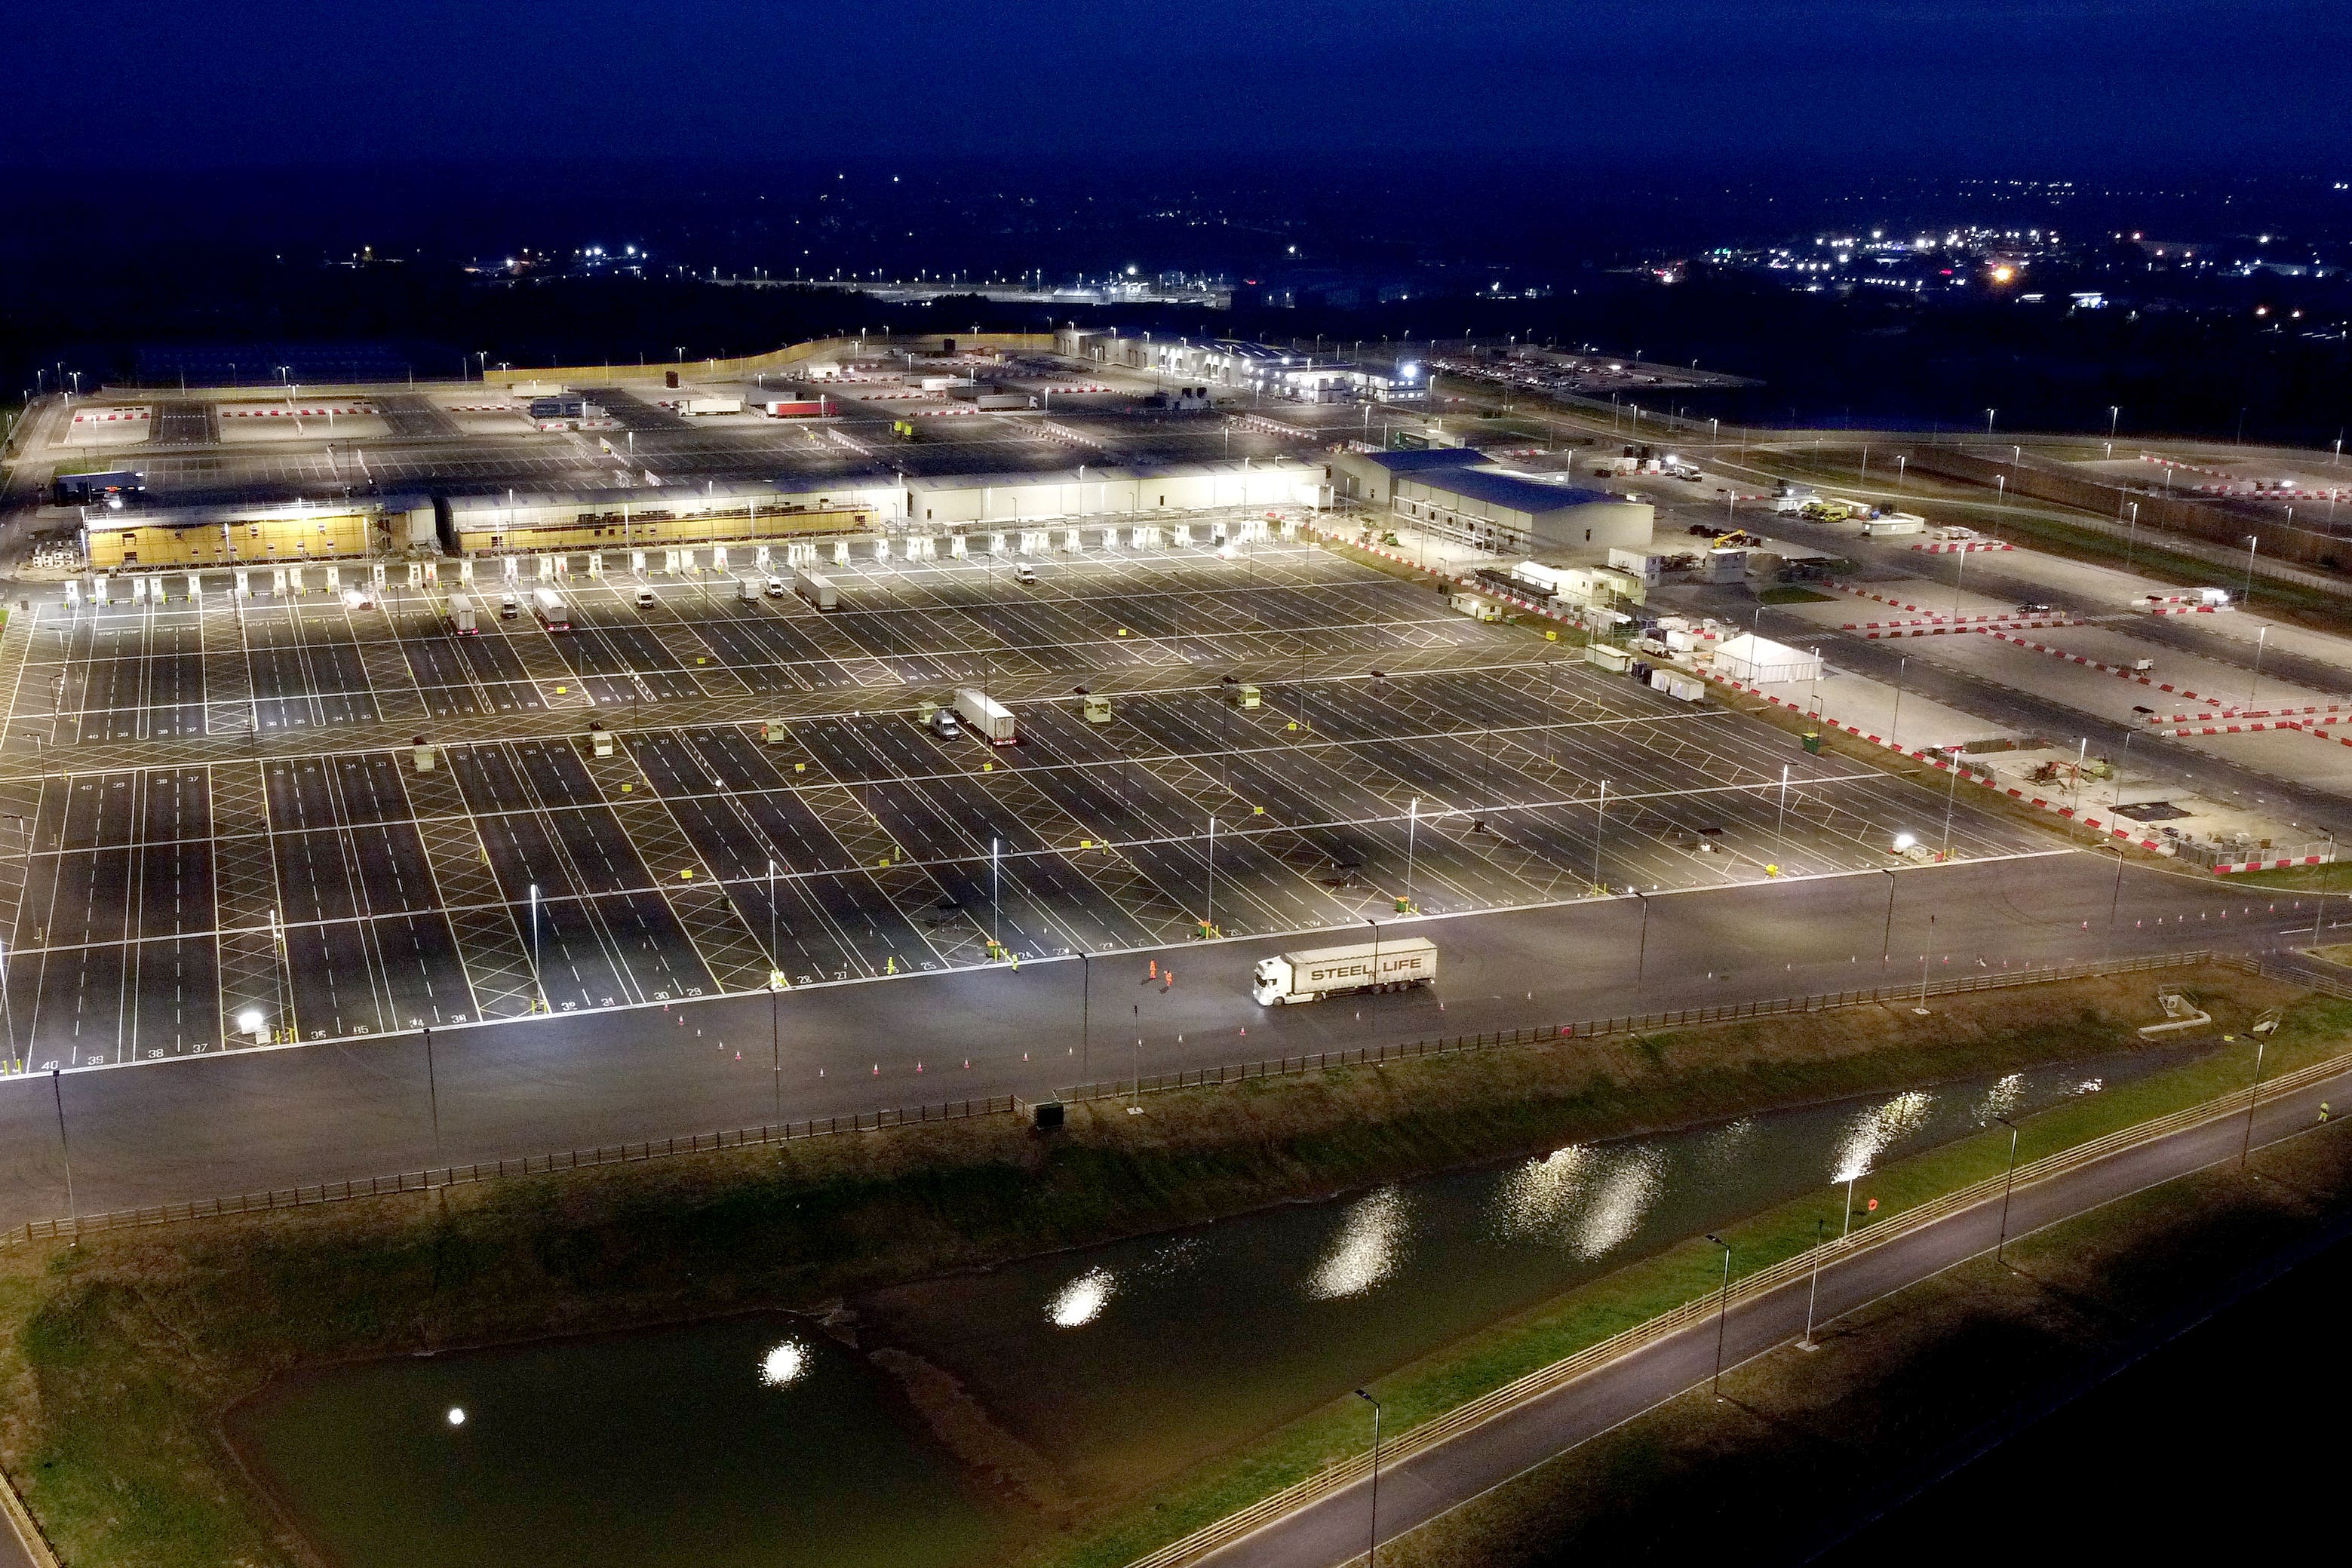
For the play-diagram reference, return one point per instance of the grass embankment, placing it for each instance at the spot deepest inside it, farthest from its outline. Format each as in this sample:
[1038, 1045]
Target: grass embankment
[118, 1356]
[1805, 1445]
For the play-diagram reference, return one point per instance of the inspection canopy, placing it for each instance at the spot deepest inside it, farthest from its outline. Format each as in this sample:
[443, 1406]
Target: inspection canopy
[1759, 660]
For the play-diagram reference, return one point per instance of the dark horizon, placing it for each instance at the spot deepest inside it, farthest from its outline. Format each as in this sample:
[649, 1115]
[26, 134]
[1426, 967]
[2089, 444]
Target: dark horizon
[1980, 84]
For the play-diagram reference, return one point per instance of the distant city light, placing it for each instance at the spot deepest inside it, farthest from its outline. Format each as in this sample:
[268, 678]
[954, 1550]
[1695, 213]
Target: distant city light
[456, 1415]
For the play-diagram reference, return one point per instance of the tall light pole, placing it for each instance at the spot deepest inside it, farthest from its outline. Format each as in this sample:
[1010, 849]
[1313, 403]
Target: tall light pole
[1600, 821]
[2008, 1186]
[1373, 1546]
[2246, 1149]
[1411, 822]
[1641, 946]
[1722, 1312]
[1813, 1291]
[2253, 544]
[433, 1094]
[2262, 641]
[1209, 922]
[58, 1086]
[1886, 937]
[536, 978]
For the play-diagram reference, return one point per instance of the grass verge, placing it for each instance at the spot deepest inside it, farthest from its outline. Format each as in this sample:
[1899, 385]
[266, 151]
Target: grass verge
[118, 1356]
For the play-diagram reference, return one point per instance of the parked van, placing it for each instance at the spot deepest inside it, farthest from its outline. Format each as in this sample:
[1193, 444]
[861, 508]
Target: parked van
[1025, 573]
[509, 606]
[777, 588]
[645, 598]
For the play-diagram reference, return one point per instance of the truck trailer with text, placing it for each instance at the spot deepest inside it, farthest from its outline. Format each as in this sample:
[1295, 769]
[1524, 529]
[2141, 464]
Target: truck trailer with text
[1389, 965]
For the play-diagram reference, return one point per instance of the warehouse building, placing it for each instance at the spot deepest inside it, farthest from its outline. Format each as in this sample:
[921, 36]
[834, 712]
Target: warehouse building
[250, 536]
[1093, 492]
[1369, 478]
[1512, 516]
[543, 521]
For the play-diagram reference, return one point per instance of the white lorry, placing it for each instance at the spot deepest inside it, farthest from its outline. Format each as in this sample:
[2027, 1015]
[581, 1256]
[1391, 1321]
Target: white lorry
[1388, 965]
[711, 405]
[553, 613]
[816, 589]
[747, 589]
[461, 616]
[987, 717]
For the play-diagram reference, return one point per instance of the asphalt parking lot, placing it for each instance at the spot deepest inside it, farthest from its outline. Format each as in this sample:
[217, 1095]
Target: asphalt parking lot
[1399, 752]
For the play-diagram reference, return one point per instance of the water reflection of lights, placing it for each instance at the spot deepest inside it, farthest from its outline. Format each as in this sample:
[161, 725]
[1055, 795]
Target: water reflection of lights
[785, 1365]
[1368, 1249]
[1624, 1195]
[1081, 1300]
[1589, 1199]
[1537, 1199]
[2002, 1099]
[1876, 1128]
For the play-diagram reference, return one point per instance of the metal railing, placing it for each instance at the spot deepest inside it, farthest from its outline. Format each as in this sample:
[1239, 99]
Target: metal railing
[1700, 1309]
[485, 1170]
[1634, 1023]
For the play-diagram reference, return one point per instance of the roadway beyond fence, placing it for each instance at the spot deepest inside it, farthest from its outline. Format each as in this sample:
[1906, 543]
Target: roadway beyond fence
[72, 1225]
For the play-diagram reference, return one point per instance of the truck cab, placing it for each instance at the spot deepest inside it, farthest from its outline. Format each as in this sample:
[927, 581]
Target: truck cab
[1270, 982]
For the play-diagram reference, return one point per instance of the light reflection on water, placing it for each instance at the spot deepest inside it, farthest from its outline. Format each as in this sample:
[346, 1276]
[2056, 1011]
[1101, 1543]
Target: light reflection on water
[1876, 1127]
[1369, 1248]
[1081, 1300]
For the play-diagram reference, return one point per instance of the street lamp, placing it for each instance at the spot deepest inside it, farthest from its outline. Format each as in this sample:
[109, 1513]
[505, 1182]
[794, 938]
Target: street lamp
[1722, 1312]
[1374, 1545]
[2008, 1186]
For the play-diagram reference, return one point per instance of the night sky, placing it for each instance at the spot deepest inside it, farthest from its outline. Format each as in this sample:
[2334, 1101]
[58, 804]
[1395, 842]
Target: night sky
[2029, 86]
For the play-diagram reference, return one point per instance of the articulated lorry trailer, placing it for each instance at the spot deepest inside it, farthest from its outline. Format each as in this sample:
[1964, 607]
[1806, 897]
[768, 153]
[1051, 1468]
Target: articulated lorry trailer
[1388, 965]
[816, 589]
[984, 716]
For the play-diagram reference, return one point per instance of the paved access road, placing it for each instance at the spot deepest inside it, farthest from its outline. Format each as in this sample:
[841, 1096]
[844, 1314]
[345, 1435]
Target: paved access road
[1333, 1528]
[199, 1127]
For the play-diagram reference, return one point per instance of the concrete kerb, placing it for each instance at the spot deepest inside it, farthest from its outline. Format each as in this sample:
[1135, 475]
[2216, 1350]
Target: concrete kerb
[1698, 1310]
